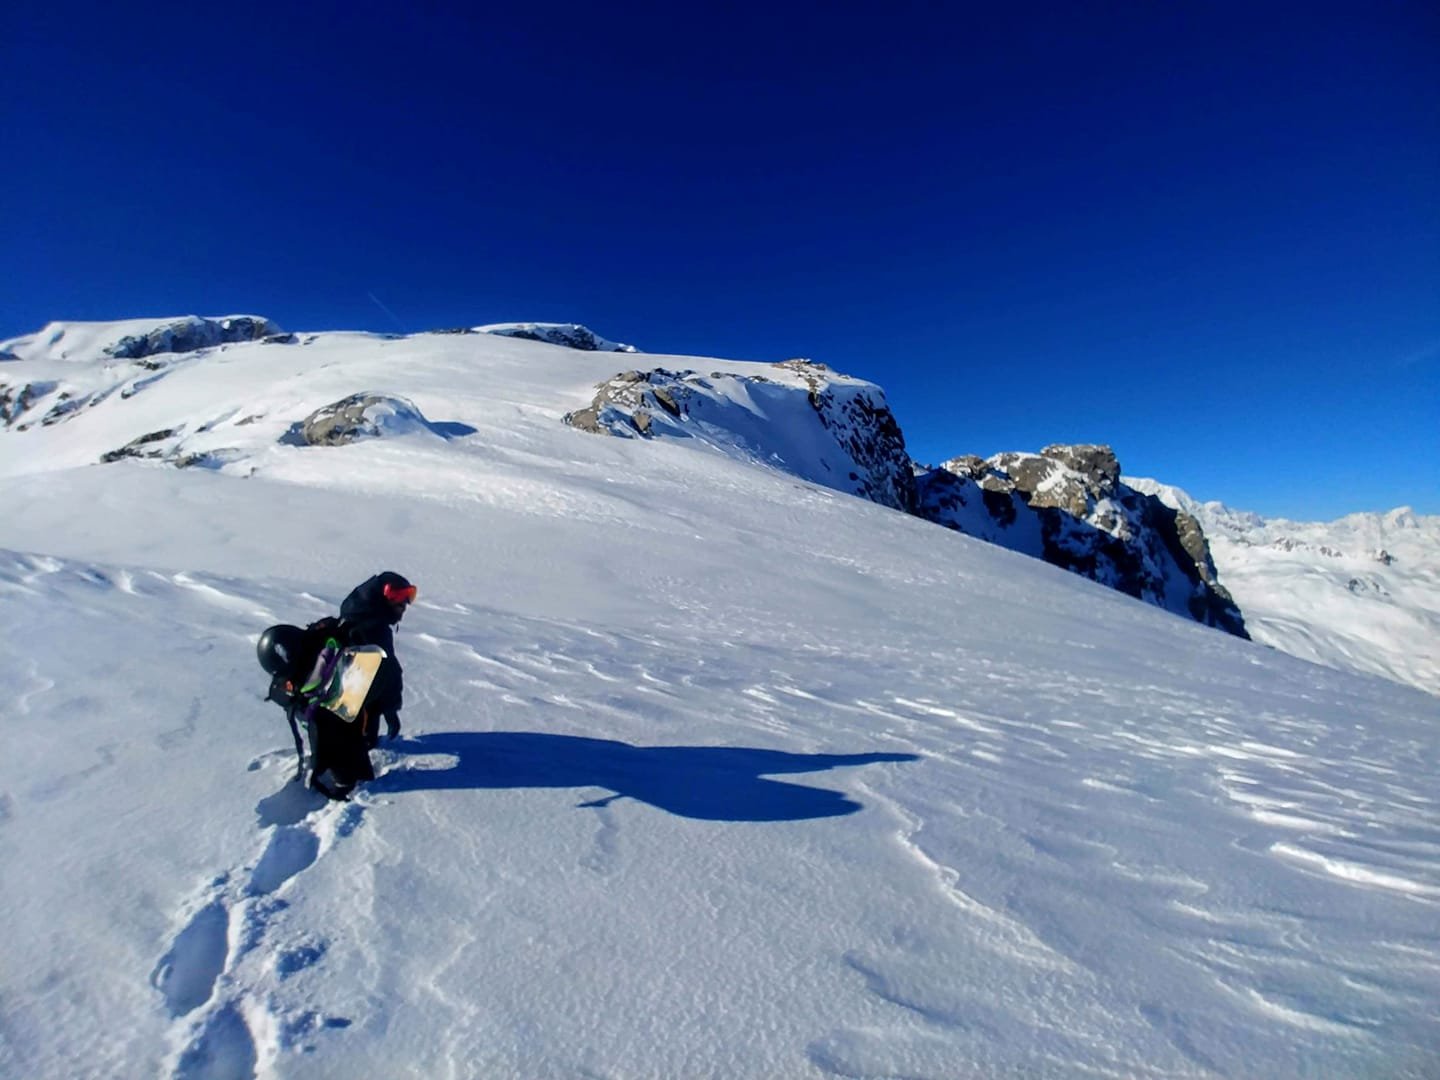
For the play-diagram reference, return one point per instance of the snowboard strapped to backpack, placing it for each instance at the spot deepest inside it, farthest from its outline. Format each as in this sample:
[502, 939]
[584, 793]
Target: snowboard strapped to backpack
[315, 668]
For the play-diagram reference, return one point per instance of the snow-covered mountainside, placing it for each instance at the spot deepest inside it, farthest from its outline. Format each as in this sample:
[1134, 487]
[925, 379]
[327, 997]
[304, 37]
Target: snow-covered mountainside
[1359, 594]
[707, 770]
[1068, 506]
[797, 416]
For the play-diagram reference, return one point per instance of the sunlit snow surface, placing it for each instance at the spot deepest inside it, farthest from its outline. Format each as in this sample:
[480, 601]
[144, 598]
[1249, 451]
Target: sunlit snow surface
[707, 772]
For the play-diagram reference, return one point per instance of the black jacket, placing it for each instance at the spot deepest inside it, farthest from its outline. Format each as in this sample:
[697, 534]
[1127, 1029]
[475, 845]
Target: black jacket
[371, 619]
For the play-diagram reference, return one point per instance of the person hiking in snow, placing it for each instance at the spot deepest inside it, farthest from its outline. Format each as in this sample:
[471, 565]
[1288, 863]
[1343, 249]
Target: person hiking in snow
[371, 612]
[307, 680]
[300, 662]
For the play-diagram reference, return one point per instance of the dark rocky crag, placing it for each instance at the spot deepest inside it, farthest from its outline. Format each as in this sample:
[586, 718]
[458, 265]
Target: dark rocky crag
[1068, 506]
[865, 428]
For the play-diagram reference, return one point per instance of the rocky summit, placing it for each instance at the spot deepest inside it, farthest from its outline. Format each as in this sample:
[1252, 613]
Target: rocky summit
[1068, 506]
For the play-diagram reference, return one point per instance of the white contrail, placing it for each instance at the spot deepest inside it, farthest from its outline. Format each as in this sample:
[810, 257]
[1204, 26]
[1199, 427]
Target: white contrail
[387, 311]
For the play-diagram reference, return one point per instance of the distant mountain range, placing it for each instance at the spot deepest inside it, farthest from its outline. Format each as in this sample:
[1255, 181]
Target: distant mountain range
[1360, 594]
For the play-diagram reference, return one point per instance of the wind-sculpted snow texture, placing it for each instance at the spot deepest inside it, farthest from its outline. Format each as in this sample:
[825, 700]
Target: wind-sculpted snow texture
[799, 416]
[1068, 506]
[708, 771]
[1359, 594]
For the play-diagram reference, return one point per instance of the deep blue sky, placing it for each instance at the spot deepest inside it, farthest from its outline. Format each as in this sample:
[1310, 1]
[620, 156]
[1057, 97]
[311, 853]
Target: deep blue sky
[1206, 234]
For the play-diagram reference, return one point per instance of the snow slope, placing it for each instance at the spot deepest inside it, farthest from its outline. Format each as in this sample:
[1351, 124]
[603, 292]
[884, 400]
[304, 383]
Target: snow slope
[706, 771]
[1358, 594]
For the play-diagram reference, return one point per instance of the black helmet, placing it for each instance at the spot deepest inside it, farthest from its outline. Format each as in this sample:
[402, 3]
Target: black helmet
[278, 649]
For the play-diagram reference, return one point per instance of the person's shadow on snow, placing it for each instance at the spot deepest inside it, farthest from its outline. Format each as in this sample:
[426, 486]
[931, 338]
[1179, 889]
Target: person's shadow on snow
[713, 783]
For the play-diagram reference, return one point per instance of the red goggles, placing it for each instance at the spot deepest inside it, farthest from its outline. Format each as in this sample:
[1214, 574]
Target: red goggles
[400, 594]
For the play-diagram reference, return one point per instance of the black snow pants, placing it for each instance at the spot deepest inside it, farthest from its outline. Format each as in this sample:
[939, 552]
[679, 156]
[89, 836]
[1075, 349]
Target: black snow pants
[339, 758]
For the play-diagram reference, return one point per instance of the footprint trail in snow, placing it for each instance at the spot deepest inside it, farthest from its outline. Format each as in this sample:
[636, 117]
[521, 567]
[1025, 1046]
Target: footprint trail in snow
[212, 980]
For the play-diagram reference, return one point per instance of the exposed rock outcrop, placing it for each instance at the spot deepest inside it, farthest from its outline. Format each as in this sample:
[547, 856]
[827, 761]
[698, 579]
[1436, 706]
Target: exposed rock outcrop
[169, 446]
[827, 428]
[194, 333]
[366, 415]
[359, 416]
[570, 335]
[1068, 506]
[15, 401]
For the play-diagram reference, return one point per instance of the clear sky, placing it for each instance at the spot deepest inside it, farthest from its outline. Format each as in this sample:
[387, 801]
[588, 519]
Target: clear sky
[1208, 235]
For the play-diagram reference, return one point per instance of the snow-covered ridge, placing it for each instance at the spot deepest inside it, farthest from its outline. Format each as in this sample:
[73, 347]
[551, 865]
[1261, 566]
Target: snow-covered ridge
[1361, 593]
[51, 377]
[135, 339]
[570, 335]
[1065, 505]
[828, 428]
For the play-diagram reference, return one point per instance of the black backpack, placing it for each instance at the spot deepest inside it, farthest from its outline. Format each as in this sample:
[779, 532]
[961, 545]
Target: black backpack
[288, 688]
